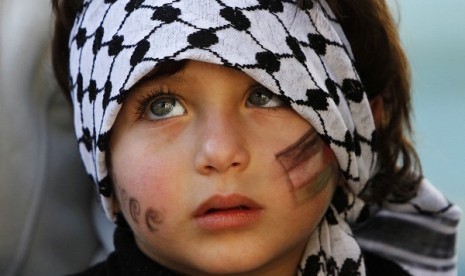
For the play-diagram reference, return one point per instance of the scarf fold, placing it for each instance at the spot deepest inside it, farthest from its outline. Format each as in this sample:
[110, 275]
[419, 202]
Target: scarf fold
[302, 55]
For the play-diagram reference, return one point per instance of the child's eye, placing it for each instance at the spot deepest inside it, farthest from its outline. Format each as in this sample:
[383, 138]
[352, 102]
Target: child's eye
[262, 97]
[164, 107]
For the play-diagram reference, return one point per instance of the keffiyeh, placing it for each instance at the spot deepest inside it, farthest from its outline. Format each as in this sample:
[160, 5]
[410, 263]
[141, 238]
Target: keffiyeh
[302, 55]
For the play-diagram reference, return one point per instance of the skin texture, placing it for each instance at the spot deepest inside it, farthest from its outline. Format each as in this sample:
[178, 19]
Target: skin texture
[215, 143]
[299, 159]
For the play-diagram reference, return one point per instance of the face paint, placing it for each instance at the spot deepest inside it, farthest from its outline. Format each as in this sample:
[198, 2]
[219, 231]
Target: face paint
[152, 216]
[134, 209]
[129, 203]
[314, 186]
[152, 219]
[309, 164]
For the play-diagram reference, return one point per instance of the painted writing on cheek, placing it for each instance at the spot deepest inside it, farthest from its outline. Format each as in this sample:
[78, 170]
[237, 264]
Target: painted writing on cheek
[129, 203]
[152, 216]
[122, 194]
[309, 165]
[134, 209]
[316, 185]
[152, 219]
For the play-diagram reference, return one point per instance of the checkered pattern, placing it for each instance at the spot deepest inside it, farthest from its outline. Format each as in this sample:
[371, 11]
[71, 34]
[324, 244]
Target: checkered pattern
[301, 55]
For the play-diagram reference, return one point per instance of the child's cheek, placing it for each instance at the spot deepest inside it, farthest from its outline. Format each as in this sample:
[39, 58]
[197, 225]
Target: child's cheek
[315, 183]
[328, 155]
[153, 219]
[311, 177]
[156, 193]
[144, 191]
[310, 166]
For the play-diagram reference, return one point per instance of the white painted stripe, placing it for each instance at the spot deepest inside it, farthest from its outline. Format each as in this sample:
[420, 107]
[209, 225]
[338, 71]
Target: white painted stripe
[424, 272]
[397, 253]
[421, 220]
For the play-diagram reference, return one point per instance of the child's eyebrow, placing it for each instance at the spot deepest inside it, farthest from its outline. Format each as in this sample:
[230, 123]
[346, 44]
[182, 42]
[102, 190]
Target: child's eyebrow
[153, 78]
[165, 71]
[178, 77]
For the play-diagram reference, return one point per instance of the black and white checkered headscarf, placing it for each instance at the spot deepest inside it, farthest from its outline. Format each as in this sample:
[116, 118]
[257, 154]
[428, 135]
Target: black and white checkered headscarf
[302, 55]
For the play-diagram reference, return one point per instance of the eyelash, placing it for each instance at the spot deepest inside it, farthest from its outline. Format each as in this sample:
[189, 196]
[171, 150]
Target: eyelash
[260, 88]
[146, 99]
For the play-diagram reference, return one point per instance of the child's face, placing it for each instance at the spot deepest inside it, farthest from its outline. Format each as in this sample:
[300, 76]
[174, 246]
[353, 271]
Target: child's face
[197, 177]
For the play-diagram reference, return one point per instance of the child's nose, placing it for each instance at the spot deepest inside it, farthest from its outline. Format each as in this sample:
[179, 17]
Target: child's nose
[222, 147]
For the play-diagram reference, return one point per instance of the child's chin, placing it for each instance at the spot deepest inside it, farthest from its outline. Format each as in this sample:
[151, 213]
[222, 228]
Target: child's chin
[232, 265]
[226, 268]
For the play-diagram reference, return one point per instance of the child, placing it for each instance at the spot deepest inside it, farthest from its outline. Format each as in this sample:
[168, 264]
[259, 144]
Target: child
[238, 137]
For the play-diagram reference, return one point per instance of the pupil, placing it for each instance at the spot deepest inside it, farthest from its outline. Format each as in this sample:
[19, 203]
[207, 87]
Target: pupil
[163, 107]
[260, 98]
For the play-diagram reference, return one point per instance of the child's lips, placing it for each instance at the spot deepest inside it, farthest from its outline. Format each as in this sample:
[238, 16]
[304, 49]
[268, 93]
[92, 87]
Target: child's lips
[225, 212]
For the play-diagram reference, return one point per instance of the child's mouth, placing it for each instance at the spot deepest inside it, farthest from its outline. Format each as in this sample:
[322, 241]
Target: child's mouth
[227, 212]
[215, 210]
